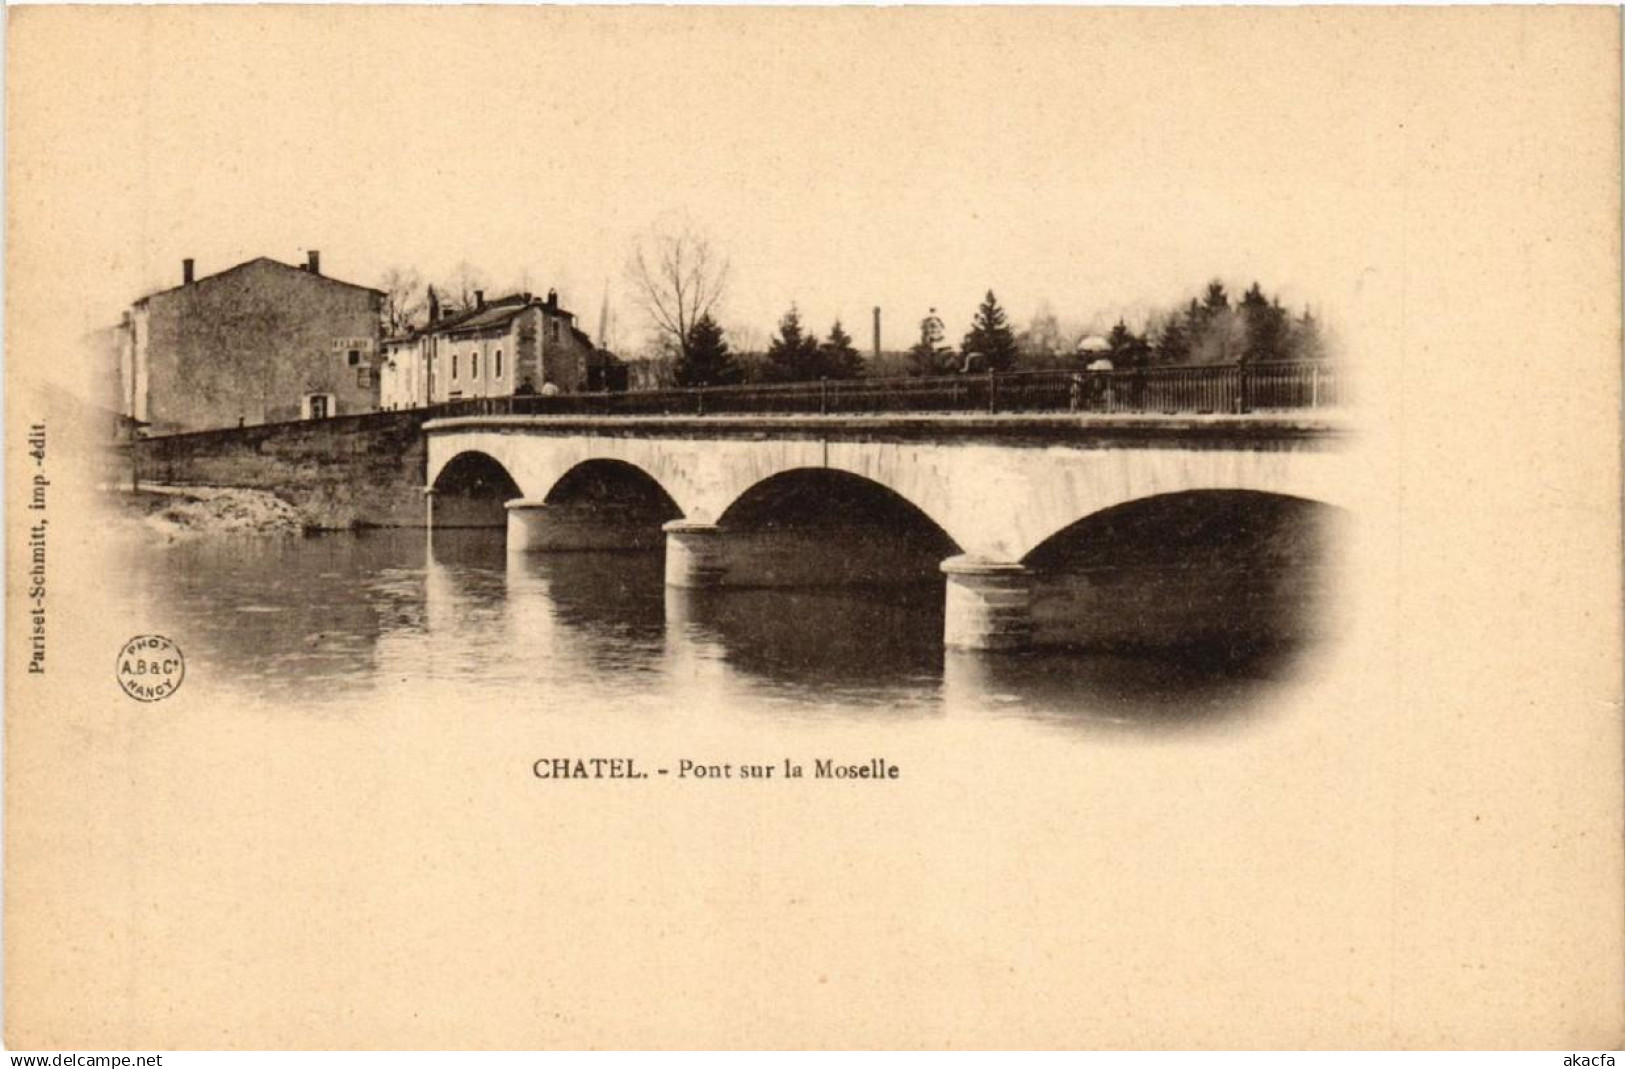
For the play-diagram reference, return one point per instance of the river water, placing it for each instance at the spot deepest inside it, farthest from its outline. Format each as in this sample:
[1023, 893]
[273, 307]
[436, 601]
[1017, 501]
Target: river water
[326, 620]
[338, 811]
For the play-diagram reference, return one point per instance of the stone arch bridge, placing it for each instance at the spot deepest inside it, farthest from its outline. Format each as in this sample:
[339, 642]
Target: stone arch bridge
[998, 504]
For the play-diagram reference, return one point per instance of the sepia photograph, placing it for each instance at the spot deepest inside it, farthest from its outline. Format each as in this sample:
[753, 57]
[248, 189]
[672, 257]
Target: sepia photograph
[779, 528]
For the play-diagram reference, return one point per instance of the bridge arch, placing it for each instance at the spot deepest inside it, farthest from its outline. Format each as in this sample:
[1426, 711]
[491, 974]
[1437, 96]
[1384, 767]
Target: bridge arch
[471, 490]
[825, 526]
[597, 504]
[805, 494]
[611, 481]
[684, 468]
[1232, 572]
[1200, 521]
[472, 468]
[1007, 516]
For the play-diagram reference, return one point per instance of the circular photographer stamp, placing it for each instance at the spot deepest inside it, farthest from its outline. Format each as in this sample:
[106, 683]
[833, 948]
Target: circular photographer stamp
[150, 668]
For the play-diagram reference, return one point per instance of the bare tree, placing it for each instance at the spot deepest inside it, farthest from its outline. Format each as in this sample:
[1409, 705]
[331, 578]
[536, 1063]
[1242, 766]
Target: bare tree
[746, 338]
[1042, 340]
[404, 300]
[678, 278]
[460, 287]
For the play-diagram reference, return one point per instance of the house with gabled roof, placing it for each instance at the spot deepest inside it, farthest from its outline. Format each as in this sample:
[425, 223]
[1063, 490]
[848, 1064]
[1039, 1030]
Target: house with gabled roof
[260, 342]
[518, 344]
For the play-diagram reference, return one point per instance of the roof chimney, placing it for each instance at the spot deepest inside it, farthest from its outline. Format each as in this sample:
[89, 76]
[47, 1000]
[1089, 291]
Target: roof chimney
[434, 306]
[186, 271]
[313, 262]
[479, 300]
[552, 300]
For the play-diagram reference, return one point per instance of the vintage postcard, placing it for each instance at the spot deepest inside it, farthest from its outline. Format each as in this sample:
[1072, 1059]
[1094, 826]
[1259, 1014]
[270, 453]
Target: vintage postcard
[923, 528]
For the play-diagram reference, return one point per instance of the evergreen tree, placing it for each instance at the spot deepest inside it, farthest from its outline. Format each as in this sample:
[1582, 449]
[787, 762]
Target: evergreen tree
[1306, 340]
[1210, 330]
[838, 357]
[990, 338]
[1118, 339]
[1212, 324]
[1194, 320]
[705, 360]
[1173, 344]
[793, 356]
[1265, 327]
[1139, 351]
[1128, 349]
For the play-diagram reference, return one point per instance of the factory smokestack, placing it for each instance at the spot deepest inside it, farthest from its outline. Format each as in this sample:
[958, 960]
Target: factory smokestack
[877, 332]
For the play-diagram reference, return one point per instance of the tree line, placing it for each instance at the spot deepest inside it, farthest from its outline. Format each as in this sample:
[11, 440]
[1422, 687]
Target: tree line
[795, 354]
[1208, 330]
[1212, 330]
[679, 279]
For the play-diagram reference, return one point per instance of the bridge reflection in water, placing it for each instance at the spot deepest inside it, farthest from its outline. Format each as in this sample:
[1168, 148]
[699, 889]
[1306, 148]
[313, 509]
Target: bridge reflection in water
[312, 621]
[862, 651]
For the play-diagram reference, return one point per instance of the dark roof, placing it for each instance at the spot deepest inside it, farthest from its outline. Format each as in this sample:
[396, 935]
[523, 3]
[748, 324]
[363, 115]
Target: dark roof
[494, 314]
[485, 319]
[251, 263]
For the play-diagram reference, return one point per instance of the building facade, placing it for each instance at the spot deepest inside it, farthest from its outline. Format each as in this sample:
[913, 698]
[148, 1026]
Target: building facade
[403, 374]
[519, 344]
[261, 342]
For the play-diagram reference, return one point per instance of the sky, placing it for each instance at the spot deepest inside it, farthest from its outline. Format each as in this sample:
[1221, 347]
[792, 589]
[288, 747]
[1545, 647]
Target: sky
[1101, 162]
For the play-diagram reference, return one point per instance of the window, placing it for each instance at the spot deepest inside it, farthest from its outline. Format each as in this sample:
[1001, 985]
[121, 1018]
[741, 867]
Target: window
[355, 357]
[363, 377]
[474, 365]
[499, 365]
[453, 367]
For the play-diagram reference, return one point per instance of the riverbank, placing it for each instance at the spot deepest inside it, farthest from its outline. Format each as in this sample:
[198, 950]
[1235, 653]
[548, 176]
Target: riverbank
[365, 470]
[174, 513]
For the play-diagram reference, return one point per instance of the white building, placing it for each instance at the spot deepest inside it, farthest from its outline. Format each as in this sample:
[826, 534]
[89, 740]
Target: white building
[517, 345]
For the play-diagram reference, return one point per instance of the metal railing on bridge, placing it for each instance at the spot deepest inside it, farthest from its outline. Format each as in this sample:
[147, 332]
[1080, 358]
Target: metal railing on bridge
[1198, 390]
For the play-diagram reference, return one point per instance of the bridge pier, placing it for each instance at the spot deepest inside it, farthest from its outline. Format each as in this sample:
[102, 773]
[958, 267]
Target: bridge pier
[789, 557]
[537, 527]
[694, 554]
[989, 605]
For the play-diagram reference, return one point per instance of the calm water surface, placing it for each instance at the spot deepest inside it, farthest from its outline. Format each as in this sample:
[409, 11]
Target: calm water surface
[328, 619]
